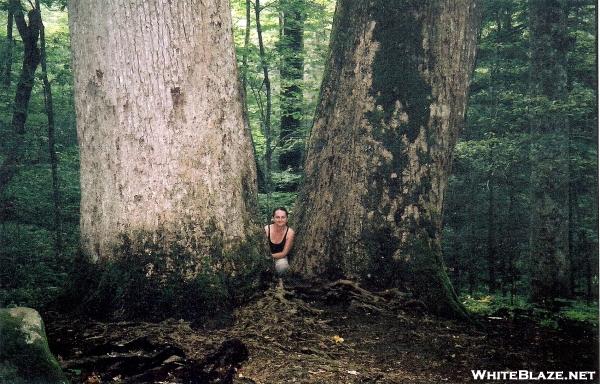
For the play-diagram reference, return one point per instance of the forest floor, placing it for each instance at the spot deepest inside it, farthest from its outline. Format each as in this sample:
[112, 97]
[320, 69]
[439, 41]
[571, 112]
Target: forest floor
[334, 333]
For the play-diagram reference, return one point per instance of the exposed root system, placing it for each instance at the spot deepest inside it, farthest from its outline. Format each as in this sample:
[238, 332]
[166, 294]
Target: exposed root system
[330, 333]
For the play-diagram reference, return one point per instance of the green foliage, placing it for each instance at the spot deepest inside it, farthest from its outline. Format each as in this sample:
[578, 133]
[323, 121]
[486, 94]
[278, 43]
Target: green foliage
[317, 25]
[571, 312]
[269, 201]
[29, 195]
[489, 202]
[285, 181]
[10, 374]
[581, 312]
[489, 305]
[31, 274]
[549, 323]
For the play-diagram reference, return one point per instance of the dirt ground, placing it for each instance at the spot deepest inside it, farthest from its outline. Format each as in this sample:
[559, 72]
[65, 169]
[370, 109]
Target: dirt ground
[335, 333]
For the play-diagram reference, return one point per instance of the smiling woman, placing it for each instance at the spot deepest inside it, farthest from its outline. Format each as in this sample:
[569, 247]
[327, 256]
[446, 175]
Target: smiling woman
[281, 238]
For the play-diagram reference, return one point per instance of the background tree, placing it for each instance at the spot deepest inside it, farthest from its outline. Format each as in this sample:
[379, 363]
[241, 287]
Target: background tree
[502, 115]
[30, 33]
[549, 152]
[316, 24]
[292, 75]
[31, 271]
[266, 109]
[165, 158]
[49, 106]
[379, 155]
[8, 47]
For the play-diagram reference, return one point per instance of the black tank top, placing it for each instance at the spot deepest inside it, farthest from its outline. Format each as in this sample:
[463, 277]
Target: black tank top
[275, 248]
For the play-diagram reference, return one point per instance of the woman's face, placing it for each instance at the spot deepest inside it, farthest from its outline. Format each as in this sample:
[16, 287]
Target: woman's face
[280, 218]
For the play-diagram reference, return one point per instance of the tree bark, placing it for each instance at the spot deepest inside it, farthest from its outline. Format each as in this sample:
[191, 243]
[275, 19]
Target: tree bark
[512, 254]
[474, 241]
[166, 161]
[572, 262]
[549, 180]
[245, 55]
[29, 33]
[391, 106]
[491, 235]
[292, 73]
[590, 251]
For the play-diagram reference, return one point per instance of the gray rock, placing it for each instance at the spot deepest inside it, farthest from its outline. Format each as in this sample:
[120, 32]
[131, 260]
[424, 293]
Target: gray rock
[24, 353]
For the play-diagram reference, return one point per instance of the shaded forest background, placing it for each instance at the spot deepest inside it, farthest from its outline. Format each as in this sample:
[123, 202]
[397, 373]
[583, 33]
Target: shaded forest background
[487, 217]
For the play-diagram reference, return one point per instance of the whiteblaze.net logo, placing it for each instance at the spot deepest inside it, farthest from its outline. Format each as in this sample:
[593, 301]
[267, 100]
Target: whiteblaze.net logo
[482, 374]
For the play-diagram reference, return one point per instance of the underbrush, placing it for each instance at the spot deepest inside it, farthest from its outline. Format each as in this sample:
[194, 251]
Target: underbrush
[568, 313]
[31, 273]
[269, 201]
[151, 285]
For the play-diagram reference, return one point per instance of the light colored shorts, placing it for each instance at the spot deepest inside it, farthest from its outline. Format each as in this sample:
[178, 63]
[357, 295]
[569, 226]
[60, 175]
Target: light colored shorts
[282, 265]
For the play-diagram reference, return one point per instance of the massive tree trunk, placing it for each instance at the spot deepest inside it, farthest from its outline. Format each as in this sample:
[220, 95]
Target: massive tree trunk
[549, 153]
[166, 161]
[391, 106]
[292, 73]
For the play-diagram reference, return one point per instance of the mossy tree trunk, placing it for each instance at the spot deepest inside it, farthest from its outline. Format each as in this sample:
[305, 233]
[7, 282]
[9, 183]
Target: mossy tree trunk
[166, 161]
[549, 231]
[391, 106]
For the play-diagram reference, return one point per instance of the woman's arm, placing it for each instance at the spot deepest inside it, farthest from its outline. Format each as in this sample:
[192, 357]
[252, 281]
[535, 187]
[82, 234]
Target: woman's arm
[288, 246]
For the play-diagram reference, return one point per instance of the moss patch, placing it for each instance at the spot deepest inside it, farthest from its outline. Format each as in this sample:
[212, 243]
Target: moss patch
[25, 356]
[399, 87]
[396, 69]
[151, 282]
[430, 282]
